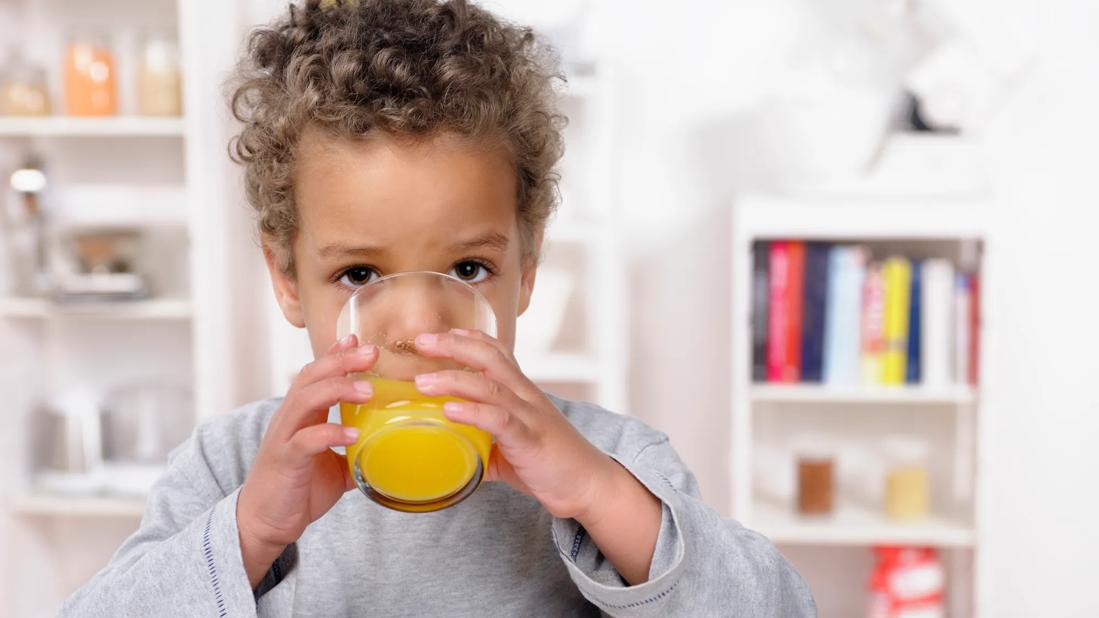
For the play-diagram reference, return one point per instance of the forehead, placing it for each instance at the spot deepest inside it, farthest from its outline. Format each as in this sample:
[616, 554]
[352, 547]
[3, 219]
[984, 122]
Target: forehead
[389, 191]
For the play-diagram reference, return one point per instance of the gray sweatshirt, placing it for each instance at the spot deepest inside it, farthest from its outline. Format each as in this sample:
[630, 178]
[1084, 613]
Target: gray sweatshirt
[499, 553]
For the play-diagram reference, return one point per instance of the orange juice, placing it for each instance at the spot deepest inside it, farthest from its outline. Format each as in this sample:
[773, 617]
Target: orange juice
[408, 451]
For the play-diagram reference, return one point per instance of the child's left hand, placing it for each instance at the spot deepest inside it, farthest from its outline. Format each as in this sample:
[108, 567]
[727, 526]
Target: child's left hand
[537, 450]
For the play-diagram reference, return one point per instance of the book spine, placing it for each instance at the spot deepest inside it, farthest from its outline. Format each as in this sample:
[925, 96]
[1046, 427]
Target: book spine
[937, 327]
[815, 312]
[871, 326]
[974, 327]
[795, 298]
[897, 276]
[761, 255]
[961, 328]
[777, 312]
[846, 273]
[913, 366]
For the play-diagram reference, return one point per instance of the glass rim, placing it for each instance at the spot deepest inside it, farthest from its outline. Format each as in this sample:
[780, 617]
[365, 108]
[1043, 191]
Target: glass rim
[435, 273]
[478, 297]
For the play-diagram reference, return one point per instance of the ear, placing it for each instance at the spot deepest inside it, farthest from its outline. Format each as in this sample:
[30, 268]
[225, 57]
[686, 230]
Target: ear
[527, 276]
[285, 286]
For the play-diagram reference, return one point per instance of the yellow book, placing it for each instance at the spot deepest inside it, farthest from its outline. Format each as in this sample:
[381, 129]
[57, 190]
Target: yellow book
[897, 278]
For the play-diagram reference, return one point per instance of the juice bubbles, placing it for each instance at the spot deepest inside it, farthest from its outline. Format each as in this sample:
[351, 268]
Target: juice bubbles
[409, 455]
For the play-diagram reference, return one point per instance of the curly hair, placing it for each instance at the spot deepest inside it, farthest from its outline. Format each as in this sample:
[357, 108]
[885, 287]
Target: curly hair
[402, 67]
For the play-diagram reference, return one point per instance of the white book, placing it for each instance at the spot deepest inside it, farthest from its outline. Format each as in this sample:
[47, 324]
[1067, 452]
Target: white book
[961, 329]
[937, 322]
[846, 271]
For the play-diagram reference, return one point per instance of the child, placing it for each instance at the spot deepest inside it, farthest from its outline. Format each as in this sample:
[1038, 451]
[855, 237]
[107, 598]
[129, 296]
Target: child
[384, 136]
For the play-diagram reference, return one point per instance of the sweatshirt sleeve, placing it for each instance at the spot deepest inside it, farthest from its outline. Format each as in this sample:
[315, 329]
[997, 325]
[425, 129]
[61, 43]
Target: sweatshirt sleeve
[185, 557]
[702, 564]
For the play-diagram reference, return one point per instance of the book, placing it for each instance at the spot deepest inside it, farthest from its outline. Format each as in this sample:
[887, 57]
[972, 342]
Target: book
[871, 316]
[936, 322]
[761, 252]
[777, 312]
[814, 311]
[915, 302]
[795, 299]
[846, 273]
[897, 281]
[961, 328]
[974, 327]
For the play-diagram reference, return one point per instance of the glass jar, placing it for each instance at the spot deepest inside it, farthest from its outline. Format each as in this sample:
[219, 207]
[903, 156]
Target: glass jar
[23, 90]
[89, 77]
[159, 83]
[907, 486]
[815, 476]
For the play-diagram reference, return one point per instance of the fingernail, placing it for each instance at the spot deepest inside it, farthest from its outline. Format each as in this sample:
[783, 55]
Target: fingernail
[364, 387]
[365, 350]
[461, 331]
[453, 407]
[346, 341]
[425, 380]
[427, 339]
[351, 433]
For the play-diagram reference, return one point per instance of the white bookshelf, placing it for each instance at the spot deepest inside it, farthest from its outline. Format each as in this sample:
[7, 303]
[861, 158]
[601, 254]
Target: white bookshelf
[766, 417]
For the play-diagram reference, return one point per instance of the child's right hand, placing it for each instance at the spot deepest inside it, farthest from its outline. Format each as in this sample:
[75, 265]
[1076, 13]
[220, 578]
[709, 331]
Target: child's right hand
[295, 478]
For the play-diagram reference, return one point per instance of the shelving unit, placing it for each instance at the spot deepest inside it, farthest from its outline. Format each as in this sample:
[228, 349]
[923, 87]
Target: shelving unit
[171, 179]
[767, 416]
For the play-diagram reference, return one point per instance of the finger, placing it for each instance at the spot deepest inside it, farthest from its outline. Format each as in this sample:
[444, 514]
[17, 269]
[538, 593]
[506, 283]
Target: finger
[482, 336]
[303, 405]
[311, 441]
[339, 362]
[347, 342]
[468, 385]
[505, 426]
[476, 354]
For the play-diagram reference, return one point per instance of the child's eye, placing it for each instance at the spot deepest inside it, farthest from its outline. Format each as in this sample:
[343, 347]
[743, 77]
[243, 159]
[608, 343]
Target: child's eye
[470, 271]
[357, 276]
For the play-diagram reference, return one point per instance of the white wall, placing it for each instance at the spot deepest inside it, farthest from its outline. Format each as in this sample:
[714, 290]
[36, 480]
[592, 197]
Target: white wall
[1043, 152]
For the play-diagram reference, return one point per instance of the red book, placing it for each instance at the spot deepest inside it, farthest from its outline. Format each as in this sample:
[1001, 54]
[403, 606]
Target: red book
[778, 313]
[974, 326]
[795, 297]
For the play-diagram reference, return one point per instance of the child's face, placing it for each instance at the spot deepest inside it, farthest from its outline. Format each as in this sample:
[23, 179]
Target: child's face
[379, 206]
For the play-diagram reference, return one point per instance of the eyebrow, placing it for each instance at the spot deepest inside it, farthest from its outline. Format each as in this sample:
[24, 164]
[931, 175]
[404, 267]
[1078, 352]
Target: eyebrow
[492, 240]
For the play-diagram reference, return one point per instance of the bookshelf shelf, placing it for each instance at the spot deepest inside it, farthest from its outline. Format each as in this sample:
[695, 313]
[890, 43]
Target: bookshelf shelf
[37, 308]
[118, 126]
[54, 505]
[809, 393]
[851, 525]
[840, 218]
